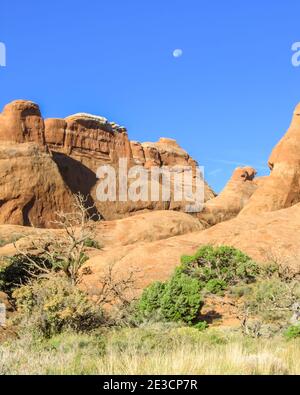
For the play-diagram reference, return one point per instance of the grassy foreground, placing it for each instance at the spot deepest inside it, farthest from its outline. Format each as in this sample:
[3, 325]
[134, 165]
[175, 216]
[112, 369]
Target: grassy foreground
[156, 349]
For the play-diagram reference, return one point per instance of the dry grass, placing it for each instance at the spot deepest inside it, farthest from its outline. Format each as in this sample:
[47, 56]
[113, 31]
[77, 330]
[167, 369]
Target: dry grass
[151, 351]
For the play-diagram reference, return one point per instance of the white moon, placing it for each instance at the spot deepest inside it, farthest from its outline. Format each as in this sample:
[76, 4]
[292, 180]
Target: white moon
[177, 53]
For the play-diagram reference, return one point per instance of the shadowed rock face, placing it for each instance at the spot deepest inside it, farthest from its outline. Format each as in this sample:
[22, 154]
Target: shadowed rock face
[282, 188]
[31, 187]
[42, 163]
[83, 142]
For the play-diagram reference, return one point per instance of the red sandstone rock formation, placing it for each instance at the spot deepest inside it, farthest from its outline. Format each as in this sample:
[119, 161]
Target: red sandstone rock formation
[151, 243]
[282, 188]
[21, 122]
[63, 156]
[31, 187]
[261, 236]
[233, 198]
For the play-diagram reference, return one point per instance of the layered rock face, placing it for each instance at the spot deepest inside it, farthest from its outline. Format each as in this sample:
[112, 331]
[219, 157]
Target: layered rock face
[61, 157]
[90, 139]
[83, 142]
[282, 188]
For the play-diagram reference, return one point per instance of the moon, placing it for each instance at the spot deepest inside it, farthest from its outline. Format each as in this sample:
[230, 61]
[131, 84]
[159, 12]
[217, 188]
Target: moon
[177, 53]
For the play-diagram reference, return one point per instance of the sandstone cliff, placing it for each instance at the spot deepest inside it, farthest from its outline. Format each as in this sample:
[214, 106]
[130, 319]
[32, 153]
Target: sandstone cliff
[61, 157]
[282, 188]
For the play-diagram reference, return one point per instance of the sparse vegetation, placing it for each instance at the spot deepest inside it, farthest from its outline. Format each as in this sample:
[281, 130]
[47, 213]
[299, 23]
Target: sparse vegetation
[66, 251]
[210, 270]
[12, 239]
[91, 243]
[226, 265]
[49, 306]
[14, 271]
[292, 332]
[159, 349]
[272, 299]
[62, 331]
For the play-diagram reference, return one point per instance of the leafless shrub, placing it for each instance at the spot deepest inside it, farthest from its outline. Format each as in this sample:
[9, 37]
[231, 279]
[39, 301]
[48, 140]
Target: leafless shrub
[64, 250]
[116, 294]
[287, 267]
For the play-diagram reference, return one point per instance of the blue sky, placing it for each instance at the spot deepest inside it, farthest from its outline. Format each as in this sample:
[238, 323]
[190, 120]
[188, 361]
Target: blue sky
[227, 100]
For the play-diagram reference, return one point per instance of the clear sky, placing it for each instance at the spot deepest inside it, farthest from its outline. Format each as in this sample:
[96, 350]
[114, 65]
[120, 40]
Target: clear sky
[227, 100]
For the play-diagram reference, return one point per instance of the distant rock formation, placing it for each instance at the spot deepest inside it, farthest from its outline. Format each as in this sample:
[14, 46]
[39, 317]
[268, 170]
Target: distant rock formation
[43, 162]
[233, 198]
[282, 188]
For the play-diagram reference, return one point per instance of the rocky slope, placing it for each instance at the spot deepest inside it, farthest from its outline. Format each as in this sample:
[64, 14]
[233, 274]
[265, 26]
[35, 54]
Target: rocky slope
[264, 237]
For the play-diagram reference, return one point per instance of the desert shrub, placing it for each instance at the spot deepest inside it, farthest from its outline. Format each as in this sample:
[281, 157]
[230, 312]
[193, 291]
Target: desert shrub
[201, 325]
[210, 270]
[215, 286]
[239, 291]
[292, 332]
[181, 299]
[271, 300]
[14, 271]
[66, 251]
[150, 301]
[178, 299]
[91, 243]
[49, 306]
[225, 264]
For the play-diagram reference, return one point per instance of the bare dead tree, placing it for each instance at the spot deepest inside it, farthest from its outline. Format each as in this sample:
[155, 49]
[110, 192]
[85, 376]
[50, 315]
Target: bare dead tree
[116, 289]
[287, 267]
[65, 249]
[116, 293]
